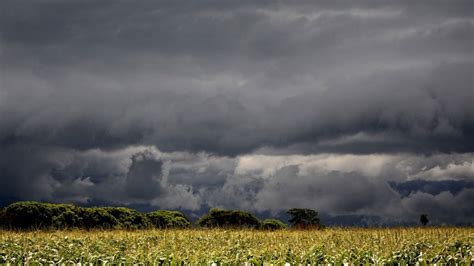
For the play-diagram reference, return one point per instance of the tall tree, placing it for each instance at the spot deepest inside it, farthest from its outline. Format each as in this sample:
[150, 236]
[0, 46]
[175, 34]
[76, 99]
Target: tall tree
[303, 218]
[424, 219]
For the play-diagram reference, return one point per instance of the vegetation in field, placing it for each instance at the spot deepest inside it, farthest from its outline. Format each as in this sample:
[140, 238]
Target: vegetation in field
[427, 245]
[35, 215]
[424, 219]
[168, 219]
[222, 237]
[228, 218]
[273, 224]
[304, 218]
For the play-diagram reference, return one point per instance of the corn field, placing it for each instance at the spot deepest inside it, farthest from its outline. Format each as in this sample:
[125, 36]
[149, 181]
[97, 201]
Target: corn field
[392, 246]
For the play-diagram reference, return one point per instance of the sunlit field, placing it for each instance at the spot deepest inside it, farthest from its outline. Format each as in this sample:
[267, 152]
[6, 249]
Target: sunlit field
[332, 245]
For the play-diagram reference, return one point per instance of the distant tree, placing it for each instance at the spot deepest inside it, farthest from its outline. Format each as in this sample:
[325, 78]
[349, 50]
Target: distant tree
[99, 218]
[424, 219]
[37, 215]
[128, 218]
[304, 218]
[228, 218]
[168, 219]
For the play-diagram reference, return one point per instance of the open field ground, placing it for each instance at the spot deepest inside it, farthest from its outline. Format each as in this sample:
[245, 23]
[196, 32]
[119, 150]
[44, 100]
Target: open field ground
[332, 245]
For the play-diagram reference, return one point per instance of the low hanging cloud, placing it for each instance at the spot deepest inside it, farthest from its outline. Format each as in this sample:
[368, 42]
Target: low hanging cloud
[240, 104]
[379, 185]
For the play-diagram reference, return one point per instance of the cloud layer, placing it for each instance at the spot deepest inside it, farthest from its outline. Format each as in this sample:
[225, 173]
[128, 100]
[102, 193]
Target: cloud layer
[258, 106]
[393, 188]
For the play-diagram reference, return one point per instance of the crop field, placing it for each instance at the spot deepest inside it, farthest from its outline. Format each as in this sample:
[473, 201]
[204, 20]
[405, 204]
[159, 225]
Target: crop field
[220, 247]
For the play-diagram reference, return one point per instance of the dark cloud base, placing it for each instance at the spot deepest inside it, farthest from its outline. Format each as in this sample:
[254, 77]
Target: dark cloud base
[431, 187]
[381, 189]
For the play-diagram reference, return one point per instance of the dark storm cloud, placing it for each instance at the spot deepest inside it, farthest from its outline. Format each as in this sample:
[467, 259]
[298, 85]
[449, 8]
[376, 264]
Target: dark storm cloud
[85, 85]
[143, 177]
[391, 111]
[432, 187]
[233, 77]
[369, 189]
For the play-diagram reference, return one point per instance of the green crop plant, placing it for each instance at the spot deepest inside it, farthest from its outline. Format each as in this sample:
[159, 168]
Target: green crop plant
[353, 246]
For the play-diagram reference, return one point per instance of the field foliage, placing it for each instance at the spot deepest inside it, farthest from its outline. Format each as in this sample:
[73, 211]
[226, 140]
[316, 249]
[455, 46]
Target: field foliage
[208, 246]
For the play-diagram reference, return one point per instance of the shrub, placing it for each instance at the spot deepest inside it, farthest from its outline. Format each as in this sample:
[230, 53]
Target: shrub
[228, 218]
[168, 219]
[273, 224]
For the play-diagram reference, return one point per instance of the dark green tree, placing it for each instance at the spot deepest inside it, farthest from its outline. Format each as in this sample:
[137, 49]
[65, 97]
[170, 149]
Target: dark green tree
[99, 218]
[128, 218]
[304, 218]
[168, 219]
[228, 218]
[38, 215]
[424, 219]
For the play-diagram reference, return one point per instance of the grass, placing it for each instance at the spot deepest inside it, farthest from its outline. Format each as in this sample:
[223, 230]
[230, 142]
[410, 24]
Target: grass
[200, 246]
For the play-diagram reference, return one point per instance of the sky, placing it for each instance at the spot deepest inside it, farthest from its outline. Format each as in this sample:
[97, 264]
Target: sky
[361, 110]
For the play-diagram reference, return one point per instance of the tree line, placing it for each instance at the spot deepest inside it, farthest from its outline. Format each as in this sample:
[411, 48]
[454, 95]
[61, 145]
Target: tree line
[38, 215]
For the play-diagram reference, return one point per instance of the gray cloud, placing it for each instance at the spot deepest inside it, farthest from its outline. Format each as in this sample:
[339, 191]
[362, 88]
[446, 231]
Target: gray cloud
[230, 78]
[385, 188]
[143, 177]
[84, 83]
